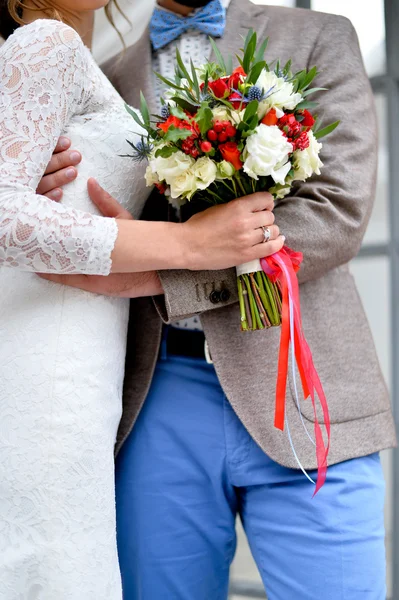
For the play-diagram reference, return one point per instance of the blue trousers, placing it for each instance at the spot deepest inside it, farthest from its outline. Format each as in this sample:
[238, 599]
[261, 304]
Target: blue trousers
[190, 467]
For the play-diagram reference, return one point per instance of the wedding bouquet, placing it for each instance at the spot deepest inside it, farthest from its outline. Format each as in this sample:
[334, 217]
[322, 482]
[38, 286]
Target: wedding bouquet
[225, 133]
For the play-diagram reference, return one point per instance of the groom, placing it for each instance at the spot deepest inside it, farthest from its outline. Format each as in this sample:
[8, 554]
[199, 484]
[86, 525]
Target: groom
[204, 448]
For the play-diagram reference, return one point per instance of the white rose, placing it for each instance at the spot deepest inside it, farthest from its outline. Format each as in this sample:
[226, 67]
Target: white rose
[151, 176]
[281, 94]
[184, 185]
[266, 153]
[170, 168]
[280, 191]
[307, 162]
[225, 170]
[222, 113]
[205, 172]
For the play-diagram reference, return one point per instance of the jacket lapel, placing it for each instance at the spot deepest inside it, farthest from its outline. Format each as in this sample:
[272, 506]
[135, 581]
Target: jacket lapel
[242, 15]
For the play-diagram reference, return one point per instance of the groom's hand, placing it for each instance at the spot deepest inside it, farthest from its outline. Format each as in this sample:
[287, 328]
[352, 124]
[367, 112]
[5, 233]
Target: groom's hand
[60, 170]
[122, 285]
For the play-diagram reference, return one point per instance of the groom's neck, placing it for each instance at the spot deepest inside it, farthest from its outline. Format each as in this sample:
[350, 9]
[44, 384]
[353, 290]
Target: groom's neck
[175, 7]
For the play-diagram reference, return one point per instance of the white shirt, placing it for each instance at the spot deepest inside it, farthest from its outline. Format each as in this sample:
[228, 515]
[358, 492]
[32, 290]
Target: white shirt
[194, 46]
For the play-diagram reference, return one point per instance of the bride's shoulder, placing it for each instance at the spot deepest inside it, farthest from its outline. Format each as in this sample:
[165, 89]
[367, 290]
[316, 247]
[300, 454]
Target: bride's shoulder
[45, 36]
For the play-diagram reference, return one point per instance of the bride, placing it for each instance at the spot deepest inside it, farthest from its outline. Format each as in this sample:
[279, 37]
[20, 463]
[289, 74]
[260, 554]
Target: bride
[62, 350]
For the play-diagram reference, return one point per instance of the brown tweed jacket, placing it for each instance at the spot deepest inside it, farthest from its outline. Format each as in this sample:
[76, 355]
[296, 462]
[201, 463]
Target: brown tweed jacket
[325, 218]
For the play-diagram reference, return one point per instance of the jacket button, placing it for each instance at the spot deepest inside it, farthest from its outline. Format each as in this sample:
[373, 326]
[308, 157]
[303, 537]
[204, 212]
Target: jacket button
[215, 297]
[225, 295]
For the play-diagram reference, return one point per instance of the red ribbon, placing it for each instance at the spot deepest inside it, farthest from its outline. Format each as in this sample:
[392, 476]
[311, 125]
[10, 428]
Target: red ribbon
[282, 268]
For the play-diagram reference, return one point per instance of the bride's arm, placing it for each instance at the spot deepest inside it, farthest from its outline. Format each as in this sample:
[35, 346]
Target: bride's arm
[44, 76]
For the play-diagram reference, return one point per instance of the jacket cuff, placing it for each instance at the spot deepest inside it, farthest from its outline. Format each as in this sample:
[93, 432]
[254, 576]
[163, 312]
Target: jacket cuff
[188, 293]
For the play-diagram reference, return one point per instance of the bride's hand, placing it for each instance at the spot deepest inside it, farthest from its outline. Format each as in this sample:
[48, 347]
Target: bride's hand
[121, 285]
[232, 234]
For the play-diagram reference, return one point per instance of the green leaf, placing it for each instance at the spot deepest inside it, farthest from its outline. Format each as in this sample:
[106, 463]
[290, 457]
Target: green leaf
[255, 72]
[251, 110]
[183, 67]
[309, 78]
[185, 105]
[318, 123]
[313, 91]
[166, 151]
[261, 51]
[206, 82]
[287, 67]
[326, 131]
[135, 116]
[204, 118]
[248, 39]
[253, 123]
[144, 109]
[168, 82]
[195, 79]
[307, 104]
[218, 55]
[176, 111]
[174, 134]
[249, 53]
[240, 61]
[133, 113]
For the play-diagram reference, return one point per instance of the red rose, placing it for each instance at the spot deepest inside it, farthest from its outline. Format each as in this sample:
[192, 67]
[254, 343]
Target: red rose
[308, 120]
[231, 153]
[169, 122]
[235, 78]
[236, 100]
[219, 88]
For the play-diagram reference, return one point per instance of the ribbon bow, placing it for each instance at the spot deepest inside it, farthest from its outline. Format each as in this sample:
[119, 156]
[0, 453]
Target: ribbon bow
[168, 26]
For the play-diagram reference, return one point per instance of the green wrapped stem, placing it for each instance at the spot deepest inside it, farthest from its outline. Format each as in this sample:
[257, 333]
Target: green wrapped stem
[260, 302]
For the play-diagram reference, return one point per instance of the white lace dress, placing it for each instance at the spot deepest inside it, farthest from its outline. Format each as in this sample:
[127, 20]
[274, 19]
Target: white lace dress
[61, 350]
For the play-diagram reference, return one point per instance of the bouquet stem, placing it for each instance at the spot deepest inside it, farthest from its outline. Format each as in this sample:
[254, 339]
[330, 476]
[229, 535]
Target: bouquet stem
[260, 302]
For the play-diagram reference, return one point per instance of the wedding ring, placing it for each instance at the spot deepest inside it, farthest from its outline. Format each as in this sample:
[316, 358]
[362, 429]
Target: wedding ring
[266, 234]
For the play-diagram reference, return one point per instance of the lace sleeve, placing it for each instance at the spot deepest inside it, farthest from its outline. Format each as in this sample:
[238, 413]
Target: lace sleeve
[43, 71]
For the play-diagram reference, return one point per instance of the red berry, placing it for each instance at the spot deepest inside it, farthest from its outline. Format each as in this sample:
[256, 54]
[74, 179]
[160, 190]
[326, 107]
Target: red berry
[206, 147]
[218, 127]
[212, 135]
[231, 130]
[225, 124]
[223, 137]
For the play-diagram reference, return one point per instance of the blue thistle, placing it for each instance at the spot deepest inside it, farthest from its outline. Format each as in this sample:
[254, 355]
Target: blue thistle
[281, 74]
[205, 96]
[141, 150]
[165, 112]
[255, 93]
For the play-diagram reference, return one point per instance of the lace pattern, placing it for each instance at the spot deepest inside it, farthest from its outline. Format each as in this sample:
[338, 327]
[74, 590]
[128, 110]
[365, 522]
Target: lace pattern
[45, 79]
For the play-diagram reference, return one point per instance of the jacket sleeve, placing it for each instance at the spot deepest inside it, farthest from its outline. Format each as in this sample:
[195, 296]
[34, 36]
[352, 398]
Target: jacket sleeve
[325, 217]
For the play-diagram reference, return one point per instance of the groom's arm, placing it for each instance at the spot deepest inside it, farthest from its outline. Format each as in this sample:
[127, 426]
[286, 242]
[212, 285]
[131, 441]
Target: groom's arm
[325, 217]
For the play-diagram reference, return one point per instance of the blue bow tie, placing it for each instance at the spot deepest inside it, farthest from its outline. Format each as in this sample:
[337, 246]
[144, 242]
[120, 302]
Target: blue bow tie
[167, 26]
